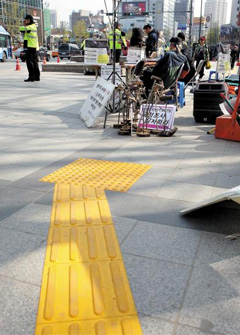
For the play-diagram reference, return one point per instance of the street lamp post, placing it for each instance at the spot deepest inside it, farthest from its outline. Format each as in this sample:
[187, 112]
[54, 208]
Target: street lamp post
[200, 23]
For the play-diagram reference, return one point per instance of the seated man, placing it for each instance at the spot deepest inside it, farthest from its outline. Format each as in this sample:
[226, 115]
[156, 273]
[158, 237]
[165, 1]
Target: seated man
[167, 67]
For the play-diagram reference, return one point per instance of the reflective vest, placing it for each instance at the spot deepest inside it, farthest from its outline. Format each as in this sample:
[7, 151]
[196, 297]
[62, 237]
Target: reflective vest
[120, 40]
[83, 45]
[30, 35]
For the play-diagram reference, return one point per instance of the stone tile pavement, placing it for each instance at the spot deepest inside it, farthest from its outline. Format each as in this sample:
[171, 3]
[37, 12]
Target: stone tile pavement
[183, 272]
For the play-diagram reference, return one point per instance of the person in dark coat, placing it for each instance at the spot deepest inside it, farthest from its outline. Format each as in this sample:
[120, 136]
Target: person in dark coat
[137, 38]
[233, 55]
[185, 52]
[167, 66]
[151, 41]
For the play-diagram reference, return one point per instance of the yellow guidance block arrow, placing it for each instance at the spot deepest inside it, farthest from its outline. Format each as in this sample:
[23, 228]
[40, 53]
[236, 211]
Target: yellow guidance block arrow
[85, 289]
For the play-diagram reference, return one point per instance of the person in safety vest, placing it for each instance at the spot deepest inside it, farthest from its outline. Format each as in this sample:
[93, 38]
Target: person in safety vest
[119, 42]
[31, 46]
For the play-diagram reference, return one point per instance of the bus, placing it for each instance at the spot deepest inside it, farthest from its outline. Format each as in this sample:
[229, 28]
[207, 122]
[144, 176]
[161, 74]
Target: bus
[5, 45]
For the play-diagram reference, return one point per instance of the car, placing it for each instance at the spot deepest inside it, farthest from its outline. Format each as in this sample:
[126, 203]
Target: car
[54, 53]
[41, 53]
[17, 52]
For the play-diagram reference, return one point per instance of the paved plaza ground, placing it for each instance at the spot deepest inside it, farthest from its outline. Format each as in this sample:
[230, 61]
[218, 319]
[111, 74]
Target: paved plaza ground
[183, 272]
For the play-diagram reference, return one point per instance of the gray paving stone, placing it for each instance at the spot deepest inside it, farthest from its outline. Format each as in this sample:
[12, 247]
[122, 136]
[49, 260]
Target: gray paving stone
[160, 172]
[194, 176]
[185, 191]
[13, 172]
[155, 326]
[22, 255]
[207, 160]
[13, 199]
[212, 301]
[184, 330]
[147, 186]
[46, 199]
[33, 218]
[18, 305]
[227, 180]
[123, 226]
[4, 182]
[220, 253]
[157, 286]
[162, 242]
[218, 218]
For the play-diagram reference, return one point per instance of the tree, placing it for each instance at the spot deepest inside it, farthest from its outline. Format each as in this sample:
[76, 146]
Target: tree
[12, 16]
[213, 35]
[80, 30]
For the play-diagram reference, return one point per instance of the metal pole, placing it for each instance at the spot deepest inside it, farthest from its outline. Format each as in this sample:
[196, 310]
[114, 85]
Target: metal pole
[114, 46]
[190, 27]
[200, 24]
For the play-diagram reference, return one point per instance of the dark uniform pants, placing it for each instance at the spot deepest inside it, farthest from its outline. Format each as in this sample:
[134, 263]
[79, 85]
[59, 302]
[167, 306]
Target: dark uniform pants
[32, 64]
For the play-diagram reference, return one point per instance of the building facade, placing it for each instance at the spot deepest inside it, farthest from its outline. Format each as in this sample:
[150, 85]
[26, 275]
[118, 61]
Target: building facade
[13, 11]
[218, 11]
[54, 17]
[234, 13]
[163, 16]
[183, 16]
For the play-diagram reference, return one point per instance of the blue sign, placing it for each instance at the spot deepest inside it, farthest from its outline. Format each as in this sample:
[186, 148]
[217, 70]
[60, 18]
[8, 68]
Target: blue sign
[182, 26]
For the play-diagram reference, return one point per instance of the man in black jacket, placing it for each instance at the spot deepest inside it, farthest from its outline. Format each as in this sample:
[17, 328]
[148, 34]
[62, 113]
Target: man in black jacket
[151, 41]
[167, 67]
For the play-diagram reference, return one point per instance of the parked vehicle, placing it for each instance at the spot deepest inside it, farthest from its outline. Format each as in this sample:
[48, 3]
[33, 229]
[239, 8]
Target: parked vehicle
[5, 45]
[54, 53]
[17, 52]
[66, 50]
[40, 54]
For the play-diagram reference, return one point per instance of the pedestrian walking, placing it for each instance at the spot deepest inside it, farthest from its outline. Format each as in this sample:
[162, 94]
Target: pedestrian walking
[31, 46]
[201, 53]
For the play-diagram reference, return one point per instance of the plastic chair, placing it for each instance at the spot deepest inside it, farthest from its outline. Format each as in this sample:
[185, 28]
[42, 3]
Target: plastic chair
[211, 73]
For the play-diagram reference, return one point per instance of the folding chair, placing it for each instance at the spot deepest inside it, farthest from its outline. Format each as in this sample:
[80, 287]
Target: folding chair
[193, 79]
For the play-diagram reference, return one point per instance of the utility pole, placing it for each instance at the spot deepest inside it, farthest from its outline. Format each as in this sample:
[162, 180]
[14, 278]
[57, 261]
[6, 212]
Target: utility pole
[200, 24]
[190, 26]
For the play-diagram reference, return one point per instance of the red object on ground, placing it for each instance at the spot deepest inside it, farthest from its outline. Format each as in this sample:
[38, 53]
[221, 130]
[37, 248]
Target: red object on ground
[44, 60]
[58, 59]
[18, 67]
[227, 126]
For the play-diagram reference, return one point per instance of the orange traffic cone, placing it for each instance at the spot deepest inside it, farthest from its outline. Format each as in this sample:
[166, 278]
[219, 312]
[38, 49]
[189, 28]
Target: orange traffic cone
[44, 60]
[58, 59]
[18, 67]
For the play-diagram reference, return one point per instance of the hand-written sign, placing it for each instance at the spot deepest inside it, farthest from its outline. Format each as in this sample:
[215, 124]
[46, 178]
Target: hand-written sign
[223, 63]
[157, 116]
[96, 101]
[107, 73]
[135, 54]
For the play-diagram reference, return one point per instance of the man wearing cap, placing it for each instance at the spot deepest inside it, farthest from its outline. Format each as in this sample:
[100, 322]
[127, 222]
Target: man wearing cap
[31, 46]
[201, 53]
[120, 41]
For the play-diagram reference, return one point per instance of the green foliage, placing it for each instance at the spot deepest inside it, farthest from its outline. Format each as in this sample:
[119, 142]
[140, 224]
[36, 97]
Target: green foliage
[12, 18]
[213, 35]
[80, 29]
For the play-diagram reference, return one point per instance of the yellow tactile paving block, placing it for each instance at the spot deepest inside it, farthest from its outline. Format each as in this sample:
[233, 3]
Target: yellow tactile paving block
[85, 291]
[82, 244]
[71, 192]
[115, 176]
[110, 326]
[79, 213]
